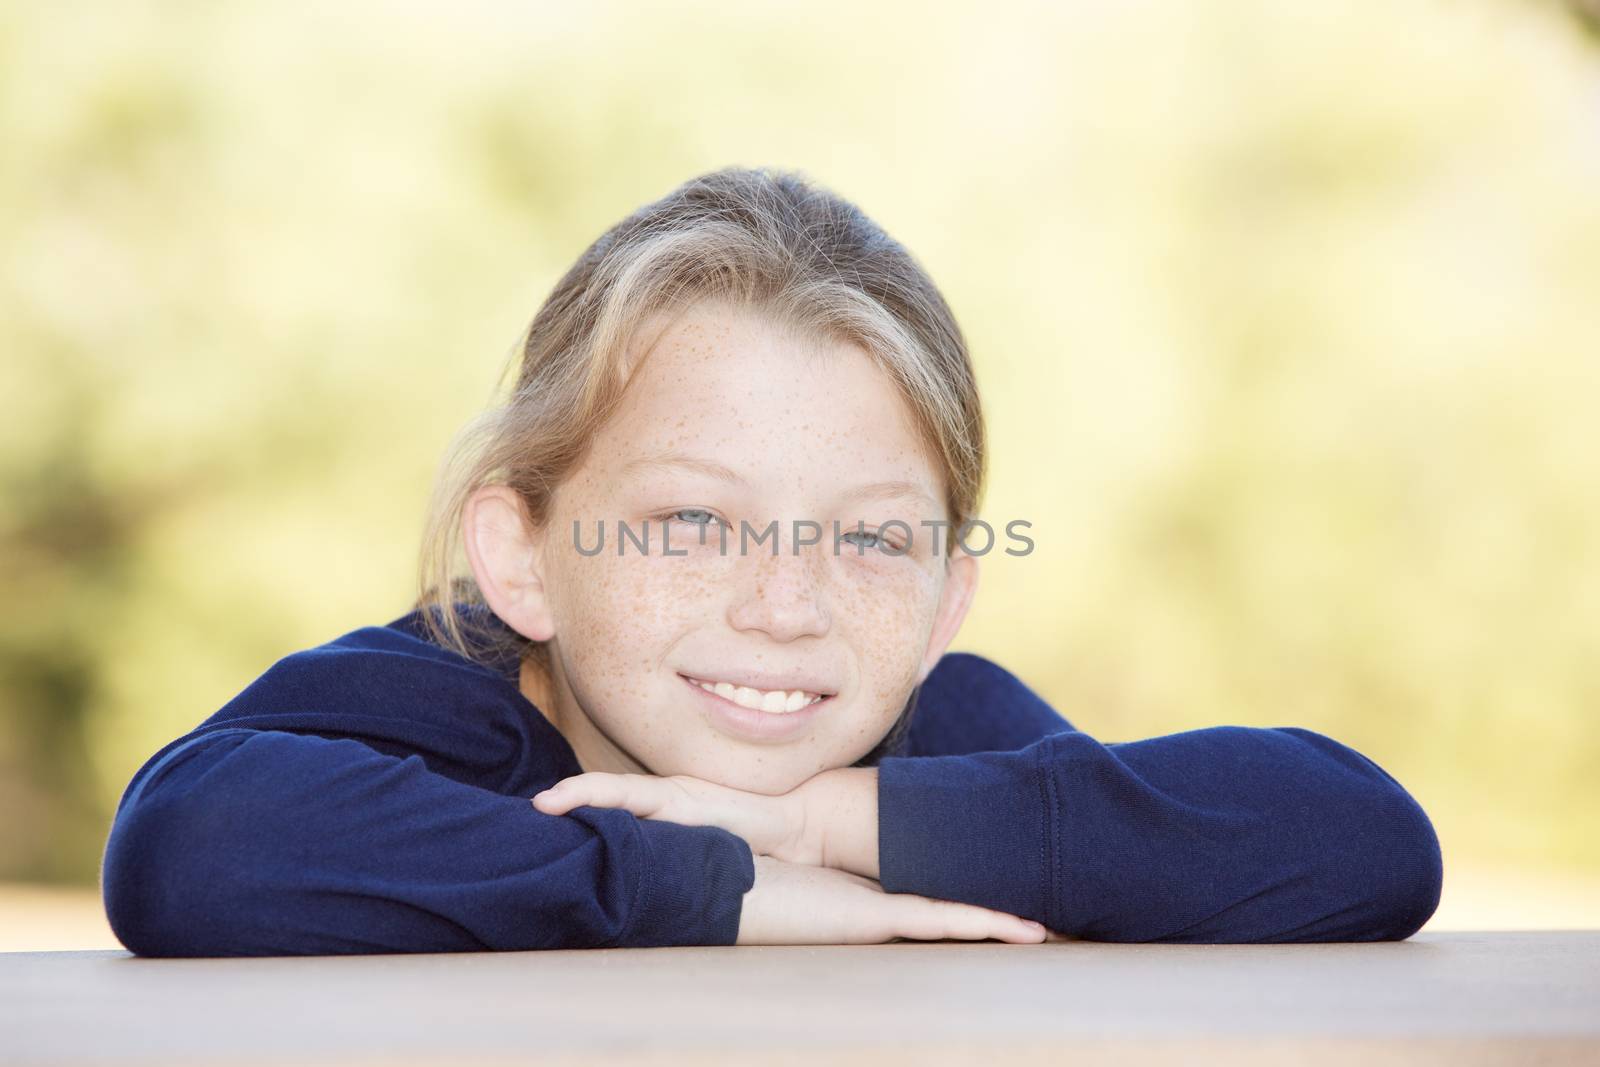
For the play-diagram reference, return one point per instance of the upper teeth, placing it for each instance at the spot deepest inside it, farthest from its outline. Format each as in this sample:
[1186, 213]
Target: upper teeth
[777, 701]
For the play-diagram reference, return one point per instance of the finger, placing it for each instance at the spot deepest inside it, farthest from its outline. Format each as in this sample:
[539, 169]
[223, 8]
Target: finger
[969, 923]
[927, 919]
[640, 794]
[600, 789]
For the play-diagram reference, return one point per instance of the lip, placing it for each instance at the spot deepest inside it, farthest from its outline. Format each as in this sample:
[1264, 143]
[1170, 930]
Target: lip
[767, 681]
[747, 724]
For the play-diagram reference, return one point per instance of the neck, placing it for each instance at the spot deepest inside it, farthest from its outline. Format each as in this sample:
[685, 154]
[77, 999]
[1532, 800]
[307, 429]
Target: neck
[553, 696]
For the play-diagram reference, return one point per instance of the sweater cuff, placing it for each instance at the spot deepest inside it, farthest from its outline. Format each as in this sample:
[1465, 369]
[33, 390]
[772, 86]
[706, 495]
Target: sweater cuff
[953, 827]
[691, 891]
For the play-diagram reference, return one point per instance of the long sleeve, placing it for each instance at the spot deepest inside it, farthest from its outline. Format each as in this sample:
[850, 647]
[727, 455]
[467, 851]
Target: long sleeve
[372, 795]
[1225, 834]
[252, 842]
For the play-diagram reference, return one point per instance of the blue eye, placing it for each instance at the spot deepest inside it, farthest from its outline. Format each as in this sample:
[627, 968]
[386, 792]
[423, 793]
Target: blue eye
[875, 542]
[693, 511]
[871, 539]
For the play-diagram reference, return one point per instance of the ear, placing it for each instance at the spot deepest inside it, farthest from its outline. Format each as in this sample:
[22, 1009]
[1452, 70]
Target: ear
[960, 585]
[507, 559]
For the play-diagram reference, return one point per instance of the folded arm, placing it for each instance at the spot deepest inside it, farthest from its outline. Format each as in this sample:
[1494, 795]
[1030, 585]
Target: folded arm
[1225, 834]
[264, 842]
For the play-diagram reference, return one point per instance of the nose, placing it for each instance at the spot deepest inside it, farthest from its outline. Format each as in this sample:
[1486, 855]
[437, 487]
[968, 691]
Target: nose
[782, 594]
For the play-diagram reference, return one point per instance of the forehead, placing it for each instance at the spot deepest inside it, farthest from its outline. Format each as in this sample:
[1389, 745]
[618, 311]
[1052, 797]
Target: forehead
[731, 384]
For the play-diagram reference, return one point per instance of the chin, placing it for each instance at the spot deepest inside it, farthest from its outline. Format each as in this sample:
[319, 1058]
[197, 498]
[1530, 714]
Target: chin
[754, 778]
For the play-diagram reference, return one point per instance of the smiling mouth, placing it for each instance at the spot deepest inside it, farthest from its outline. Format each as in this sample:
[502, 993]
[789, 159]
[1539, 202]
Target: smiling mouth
[771, 701]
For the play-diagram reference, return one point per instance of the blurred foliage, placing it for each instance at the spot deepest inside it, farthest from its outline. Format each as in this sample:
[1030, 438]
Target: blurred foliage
[1287, 319]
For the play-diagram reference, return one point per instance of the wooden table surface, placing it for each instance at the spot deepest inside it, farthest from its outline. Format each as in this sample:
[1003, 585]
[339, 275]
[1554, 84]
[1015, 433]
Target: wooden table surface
[1462, 998]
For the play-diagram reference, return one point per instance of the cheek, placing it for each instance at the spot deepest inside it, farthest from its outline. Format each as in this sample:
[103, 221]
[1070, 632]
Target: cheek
[624, 612]
[886, 610]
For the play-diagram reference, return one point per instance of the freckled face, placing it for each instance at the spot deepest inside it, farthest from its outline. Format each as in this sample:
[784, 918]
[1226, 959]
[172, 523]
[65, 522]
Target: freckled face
[800, 423]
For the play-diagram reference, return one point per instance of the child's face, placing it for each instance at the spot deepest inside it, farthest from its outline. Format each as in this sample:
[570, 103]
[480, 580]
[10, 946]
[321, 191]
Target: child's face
[800, 427]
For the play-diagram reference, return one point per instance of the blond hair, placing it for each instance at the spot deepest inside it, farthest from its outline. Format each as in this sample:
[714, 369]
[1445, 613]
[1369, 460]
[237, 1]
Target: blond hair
[765, 239]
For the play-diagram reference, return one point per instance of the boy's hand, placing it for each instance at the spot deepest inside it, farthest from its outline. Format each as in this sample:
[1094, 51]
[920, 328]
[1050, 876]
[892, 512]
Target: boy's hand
[791, 904]
[828, 822]
[779, 826]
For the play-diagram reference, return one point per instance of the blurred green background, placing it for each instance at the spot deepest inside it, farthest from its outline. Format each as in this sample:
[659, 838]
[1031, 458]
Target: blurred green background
[1286, 317]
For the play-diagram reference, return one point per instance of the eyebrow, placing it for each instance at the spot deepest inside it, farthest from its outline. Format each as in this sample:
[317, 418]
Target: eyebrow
[892, 489]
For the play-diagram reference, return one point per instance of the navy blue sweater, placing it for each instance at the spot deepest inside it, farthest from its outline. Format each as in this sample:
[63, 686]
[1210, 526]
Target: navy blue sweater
[372, 795]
